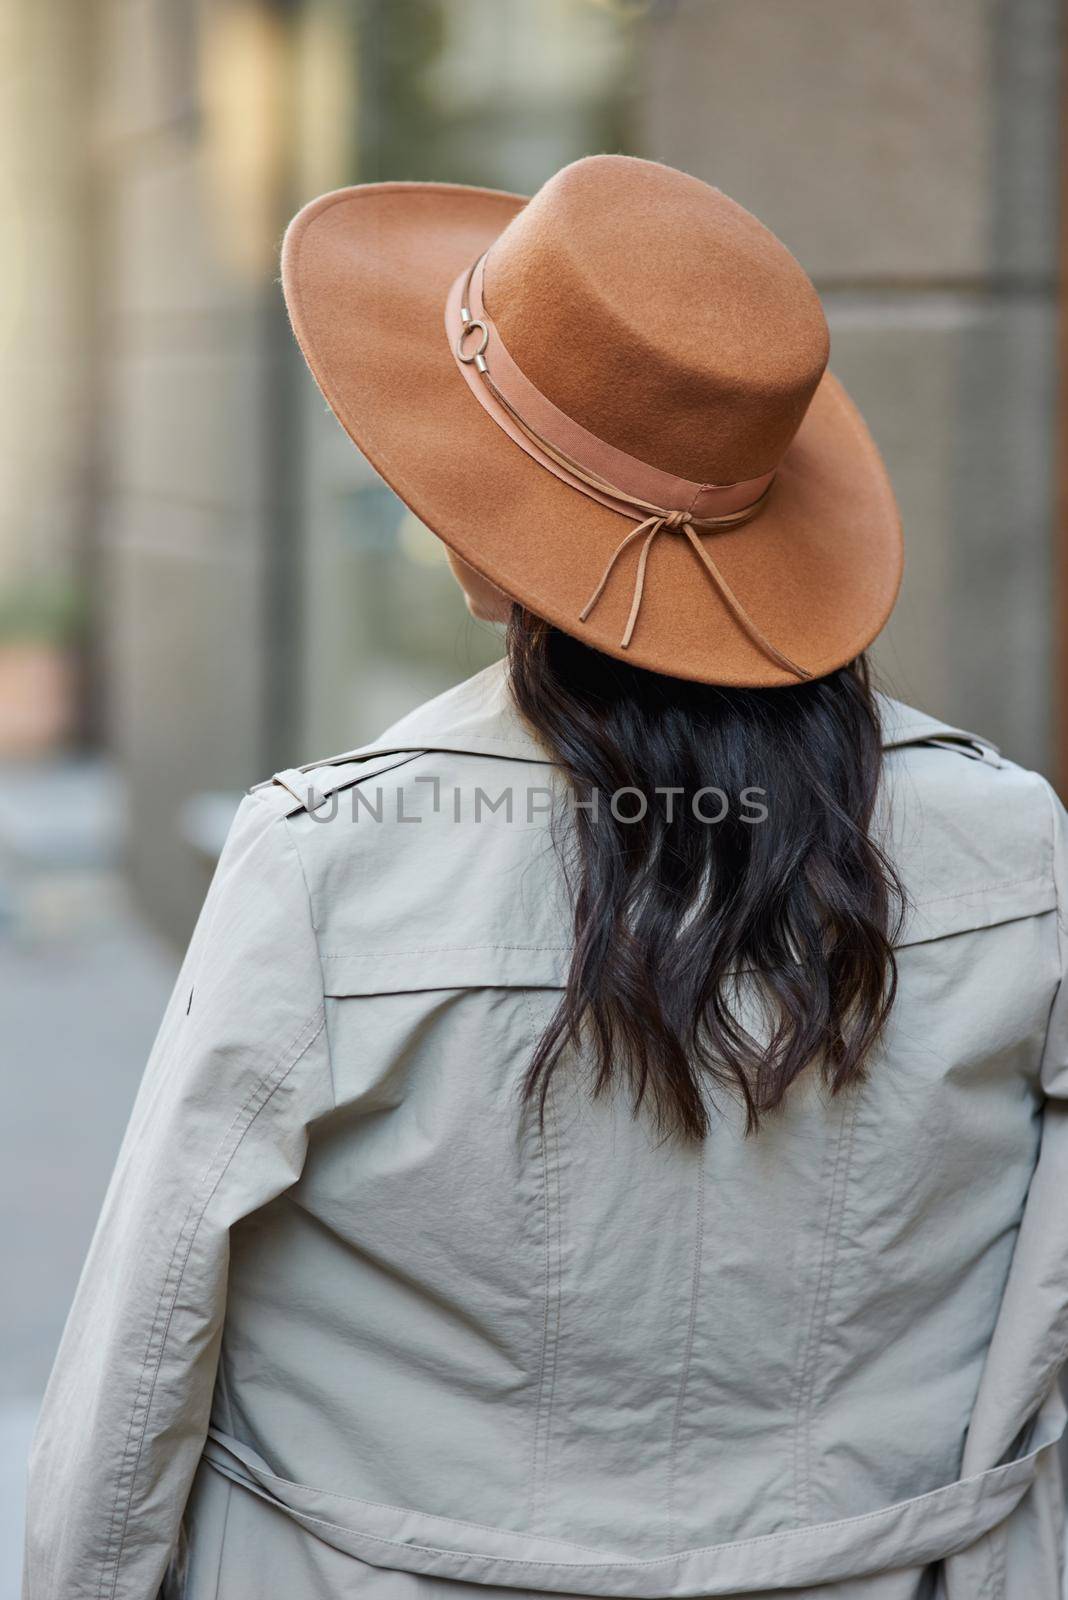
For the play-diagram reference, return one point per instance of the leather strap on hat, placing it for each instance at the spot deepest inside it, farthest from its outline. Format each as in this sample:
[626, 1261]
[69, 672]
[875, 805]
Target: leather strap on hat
[597, 469]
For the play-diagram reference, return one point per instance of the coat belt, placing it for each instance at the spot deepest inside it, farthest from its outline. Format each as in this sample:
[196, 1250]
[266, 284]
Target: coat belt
[910, 1533]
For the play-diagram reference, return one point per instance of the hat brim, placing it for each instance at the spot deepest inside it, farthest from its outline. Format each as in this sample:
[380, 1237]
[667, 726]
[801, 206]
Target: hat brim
[366, 272]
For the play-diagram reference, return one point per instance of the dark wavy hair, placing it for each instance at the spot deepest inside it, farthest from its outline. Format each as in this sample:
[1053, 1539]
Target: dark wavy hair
[681, 923]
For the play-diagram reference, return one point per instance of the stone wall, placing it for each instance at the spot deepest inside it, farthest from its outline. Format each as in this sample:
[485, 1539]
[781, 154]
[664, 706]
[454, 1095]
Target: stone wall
[908, 153]
[188, 480]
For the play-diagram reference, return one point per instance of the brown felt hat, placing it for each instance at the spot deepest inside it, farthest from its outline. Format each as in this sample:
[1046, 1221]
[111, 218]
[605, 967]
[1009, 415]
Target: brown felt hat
[628, 353]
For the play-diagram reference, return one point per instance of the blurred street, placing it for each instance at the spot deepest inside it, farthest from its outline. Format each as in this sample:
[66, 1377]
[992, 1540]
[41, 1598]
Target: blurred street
[82, 986]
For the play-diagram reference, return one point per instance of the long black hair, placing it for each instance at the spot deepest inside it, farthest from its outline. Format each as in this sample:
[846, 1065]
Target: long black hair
[752, 871]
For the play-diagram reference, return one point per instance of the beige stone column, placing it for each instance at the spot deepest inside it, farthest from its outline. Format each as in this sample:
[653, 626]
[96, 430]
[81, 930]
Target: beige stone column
[908, 153]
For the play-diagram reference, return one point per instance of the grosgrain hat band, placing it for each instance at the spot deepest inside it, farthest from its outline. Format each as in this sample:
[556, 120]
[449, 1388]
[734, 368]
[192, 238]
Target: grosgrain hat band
[631, 487]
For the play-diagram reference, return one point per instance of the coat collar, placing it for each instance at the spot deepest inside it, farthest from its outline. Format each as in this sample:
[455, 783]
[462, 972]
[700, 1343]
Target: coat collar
[479, 717]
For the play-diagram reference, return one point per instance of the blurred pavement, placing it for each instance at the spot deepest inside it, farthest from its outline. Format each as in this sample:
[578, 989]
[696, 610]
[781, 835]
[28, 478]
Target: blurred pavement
[83, 984]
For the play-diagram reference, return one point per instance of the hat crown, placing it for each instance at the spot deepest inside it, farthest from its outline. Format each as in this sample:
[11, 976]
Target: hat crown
[660, 315]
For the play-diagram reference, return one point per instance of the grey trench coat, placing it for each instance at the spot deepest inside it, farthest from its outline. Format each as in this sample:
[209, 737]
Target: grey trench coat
[355, 1327]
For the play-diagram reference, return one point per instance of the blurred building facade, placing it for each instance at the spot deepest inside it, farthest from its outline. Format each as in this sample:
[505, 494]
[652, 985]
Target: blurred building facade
[246, 596]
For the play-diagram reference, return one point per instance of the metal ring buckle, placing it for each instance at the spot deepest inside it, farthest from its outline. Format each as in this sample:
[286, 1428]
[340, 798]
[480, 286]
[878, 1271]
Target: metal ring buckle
[469, 327]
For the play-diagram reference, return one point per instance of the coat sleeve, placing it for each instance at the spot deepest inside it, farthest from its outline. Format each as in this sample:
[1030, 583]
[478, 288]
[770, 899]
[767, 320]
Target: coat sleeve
[1030, 1341]
[238, 1072]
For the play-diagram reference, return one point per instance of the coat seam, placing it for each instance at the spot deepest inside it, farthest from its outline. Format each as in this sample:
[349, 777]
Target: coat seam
[128, 1468]
[810, 1338]
[314, 930]
[549, 1150]
[1051, 871]
[1001, 1555]
[433, 949]
[536, 1443]
[559, 1308]
[535, 1506]
[802, 1450]
[552, 1347]
[222, 1542]
[222, 1387]
[982, 888]
[113, 1528]
[691, 1328]
[994, 1574]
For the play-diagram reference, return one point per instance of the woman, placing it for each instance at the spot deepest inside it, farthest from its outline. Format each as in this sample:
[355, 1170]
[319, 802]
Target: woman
[608, 1135]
